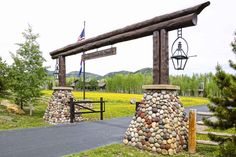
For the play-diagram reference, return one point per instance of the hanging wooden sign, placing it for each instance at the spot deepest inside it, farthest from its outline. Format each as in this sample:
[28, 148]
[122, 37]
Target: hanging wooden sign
[99, 54]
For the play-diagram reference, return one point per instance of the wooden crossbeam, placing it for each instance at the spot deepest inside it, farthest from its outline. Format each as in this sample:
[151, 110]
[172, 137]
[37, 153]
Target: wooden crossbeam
[161, 24]
[159, 19]
[180, 22]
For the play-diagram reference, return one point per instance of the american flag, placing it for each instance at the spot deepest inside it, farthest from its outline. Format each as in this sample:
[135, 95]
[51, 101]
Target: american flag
[80, 38]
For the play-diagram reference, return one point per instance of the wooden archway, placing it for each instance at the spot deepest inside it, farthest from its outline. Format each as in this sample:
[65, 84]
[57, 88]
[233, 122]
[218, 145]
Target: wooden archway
[158, 27]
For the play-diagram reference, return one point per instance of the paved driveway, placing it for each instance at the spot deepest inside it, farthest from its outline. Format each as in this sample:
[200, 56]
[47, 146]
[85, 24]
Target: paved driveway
[60, 140]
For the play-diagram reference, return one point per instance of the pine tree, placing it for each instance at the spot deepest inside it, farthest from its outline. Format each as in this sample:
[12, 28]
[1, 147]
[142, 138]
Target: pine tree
[224, 107]
[27, 73]
[4, 82]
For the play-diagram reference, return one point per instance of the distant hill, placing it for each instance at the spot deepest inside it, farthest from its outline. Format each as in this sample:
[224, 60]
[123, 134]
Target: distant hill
[118, 72]
[141, 71]
[144, 71]
[75, 74]
[87, 75]
[98, 77]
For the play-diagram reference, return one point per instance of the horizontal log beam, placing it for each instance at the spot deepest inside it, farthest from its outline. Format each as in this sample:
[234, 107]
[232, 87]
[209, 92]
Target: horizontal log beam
[200, 123]
[205, 113]
[196, 9]
[215, 133]
[99, 54]
[207, 142]
[181, 22]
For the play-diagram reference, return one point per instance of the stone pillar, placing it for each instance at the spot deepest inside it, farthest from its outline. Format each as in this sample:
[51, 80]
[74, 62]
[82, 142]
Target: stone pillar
[160, 123]
[58, 109]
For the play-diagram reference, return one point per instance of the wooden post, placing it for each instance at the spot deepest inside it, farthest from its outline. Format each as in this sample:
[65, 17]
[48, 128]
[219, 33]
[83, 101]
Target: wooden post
[136, 105]
[164, 57]
[160, 57]
[192, 131]
[156, 57]
[101, 108]
[62, 71]
[72, 110]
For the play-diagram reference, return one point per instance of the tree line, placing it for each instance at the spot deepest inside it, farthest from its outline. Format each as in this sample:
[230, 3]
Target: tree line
[195, 85]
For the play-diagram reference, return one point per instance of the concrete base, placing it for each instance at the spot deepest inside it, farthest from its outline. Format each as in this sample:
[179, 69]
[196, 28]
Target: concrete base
[160, 87]
[62, 88]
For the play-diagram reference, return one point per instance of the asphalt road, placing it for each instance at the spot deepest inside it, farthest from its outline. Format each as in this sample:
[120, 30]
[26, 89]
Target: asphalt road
[60, 140]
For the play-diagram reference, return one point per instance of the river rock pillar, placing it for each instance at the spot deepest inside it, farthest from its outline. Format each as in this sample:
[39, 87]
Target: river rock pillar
[58, 109]
[160, 123]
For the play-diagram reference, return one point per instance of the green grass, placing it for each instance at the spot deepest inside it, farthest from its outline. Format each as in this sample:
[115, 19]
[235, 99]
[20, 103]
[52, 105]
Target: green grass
[230, 130]
[205, 137]
[118, 103]
[120, 150]
[125, 98]
[193, 101]
[117, 106]
[14, 121]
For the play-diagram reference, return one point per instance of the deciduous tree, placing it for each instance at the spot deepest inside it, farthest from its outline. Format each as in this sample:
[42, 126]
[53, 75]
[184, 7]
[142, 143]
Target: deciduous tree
[27, 72]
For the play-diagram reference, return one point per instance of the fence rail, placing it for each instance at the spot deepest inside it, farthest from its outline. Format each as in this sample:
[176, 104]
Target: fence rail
[207, 142]
[78, 103]
[205, 113]
[193, 127]
[214, 133]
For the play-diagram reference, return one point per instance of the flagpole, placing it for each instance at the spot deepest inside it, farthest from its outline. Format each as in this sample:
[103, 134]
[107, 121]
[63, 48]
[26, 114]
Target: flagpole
[84, 72]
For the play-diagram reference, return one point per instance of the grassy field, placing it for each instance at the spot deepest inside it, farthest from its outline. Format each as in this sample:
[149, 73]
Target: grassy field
[118, 103]
[117, 106]
[120, 150]
[125, 98]
[14, 121]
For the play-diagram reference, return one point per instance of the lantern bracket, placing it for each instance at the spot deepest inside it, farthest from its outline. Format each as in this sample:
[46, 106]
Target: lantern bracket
[56, 71]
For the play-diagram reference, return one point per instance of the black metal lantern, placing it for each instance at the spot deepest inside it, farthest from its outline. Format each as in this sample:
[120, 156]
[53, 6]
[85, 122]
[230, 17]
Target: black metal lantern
[180, 54]
[56, 71]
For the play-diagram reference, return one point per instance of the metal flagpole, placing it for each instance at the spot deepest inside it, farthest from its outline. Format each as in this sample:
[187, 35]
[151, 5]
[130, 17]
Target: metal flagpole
[84, 71]
[84, 79]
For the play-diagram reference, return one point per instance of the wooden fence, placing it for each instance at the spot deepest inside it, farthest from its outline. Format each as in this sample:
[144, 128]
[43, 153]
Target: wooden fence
[78, 103]
[193, 131]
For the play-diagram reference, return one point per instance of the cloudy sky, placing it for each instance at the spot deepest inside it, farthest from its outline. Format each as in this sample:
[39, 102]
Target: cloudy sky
[59, 23]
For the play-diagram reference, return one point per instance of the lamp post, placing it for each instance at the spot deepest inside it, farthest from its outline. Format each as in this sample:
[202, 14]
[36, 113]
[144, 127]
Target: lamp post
[180, 55]
[56, 71]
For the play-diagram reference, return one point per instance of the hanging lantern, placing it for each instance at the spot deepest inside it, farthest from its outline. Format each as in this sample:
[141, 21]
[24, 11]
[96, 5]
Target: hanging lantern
[180, 53]
[56, 71]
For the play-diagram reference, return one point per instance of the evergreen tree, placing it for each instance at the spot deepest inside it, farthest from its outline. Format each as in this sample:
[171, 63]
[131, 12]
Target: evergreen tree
[27, 72]
[4, 82]
[224, 107]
